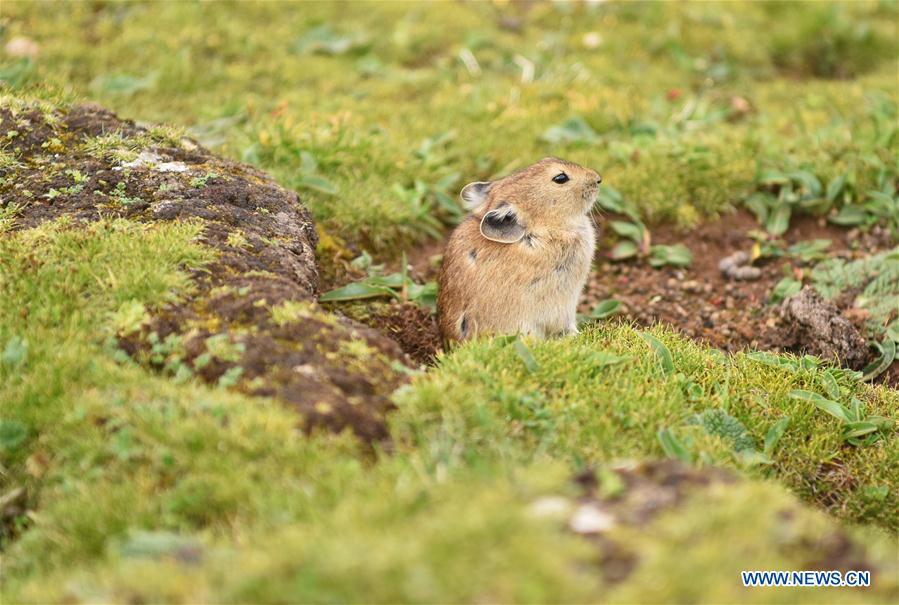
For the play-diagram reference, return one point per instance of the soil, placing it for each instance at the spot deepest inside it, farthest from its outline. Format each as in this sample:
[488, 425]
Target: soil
[816, 325]
[337, 374]
[731, 314]
[707, 305]
[413, 327]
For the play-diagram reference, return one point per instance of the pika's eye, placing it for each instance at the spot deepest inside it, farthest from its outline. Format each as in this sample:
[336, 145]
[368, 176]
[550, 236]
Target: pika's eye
[560, 178]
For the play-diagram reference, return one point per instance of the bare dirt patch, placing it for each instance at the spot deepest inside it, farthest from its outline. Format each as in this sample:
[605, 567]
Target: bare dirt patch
[727, 313]
[413, 327]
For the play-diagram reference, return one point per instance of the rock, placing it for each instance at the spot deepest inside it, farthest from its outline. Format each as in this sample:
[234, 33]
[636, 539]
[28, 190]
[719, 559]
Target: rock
[590, 519]
[815, 325]
[552, 507]
[737, 267]
[257, 299]
[154, 161]
[591, 40]
[22, 47]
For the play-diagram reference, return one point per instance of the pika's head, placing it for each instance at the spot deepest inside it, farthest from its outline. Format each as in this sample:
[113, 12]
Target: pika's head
[546, 195]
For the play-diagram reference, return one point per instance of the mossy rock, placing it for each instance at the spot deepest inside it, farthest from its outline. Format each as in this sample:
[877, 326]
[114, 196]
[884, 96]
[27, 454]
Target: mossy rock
[251, 322]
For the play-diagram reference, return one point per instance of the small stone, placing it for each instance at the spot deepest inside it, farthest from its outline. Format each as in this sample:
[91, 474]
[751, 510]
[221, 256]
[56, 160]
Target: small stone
[591, 40]
[511, 23]
[153, 160]
[551, 507]
[172, 167]
[143, 158]
[165, 209]
[740, 105]
[818, 327]
[22, 47]
[737, 267]
[305, 369]
[589, 519]
[746, 273]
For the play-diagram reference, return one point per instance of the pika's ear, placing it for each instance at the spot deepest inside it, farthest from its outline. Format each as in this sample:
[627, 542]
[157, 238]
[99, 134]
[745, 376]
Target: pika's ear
[502, 225]
[474, 194]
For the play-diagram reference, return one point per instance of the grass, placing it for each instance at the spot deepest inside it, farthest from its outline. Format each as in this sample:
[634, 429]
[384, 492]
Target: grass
[603, 396]
[329, 103]
[135, 494]
[139, 488]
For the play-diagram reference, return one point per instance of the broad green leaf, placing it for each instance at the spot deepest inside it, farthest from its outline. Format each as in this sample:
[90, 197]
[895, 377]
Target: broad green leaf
[601, 359]
[355, 291]
[633, 231]
[859, 429]
[662, 353]
[759, 203]
[17, 73]
[773, 177]
[772, 437]
[318, 183]
[623, 250]
[811, 186]
[324, 40]
[753, 457]
[876, 492]
[526, 356]
[610, 199]
[673, 447]
[12, 434]
[779, 220]
[448, 181]
[855, 410]
[308, 163]
[835, 188]
[850, 216]
[882, 200]
[15, 352]
[123, 84]
[424, 294]
[394, 280]
[784, 289]
[831, 407]
[887, 350]
[677, 255]
[605, 309]
[830, 385]
[769, 359]
[892, 331]
[810, 250]
[572, 130]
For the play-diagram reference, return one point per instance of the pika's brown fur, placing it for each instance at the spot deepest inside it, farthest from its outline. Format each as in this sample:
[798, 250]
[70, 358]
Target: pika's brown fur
[519, 261]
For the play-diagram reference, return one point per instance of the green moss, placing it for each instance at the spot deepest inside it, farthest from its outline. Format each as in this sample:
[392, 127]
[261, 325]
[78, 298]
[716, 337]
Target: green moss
[696, 554]
[483, 401]
[140, 489]
[685, 99]
[290, 311]
[143, 489]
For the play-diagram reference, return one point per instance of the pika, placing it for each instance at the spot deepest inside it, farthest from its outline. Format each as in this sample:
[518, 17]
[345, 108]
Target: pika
[519, 261]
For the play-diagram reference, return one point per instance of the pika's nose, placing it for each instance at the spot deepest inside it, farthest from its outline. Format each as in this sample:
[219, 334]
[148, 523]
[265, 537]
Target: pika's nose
[598, 179]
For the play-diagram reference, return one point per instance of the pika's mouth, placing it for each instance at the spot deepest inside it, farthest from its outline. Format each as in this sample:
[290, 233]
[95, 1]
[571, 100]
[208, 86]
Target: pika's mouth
[590, 194]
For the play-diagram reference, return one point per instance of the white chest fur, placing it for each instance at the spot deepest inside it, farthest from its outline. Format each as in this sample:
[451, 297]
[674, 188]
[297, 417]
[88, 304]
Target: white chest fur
[556, 288]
